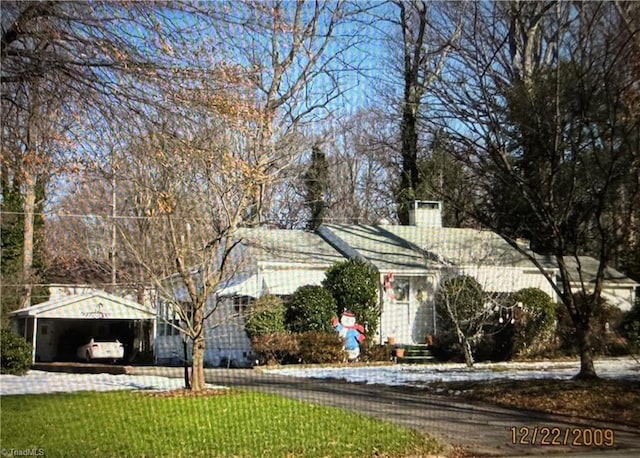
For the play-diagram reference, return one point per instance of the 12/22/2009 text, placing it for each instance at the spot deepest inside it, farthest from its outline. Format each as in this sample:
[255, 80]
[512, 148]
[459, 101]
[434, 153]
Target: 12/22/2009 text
[575, 437]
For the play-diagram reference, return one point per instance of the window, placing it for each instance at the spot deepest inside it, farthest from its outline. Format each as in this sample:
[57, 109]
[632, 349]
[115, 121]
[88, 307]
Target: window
[168, 318]
[401, 289]
[240, 304]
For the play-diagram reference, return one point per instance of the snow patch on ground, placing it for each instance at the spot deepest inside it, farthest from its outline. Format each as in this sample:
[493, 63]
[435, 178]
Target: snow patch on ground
[35, 382]
[420, 375]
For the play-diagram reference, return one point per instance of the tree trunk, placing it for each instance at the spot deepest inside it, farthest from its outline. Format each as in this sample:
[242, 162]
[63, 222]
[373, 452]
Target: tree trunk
[29, 205]
[466, 347]
[583, 334]
[409, 176]
[185, 364]
[197, 368]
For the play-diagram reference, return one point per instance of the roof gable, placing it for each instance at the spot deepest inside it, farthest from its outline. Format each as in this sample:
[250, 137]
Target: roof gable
[97, 305]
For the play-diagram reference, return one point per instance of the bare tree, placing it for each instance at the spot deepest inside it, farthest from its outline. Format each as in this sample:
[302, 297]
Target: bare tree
[69, 70]
[297, 60]
[201, 185]
[429, 31]
[535, 105]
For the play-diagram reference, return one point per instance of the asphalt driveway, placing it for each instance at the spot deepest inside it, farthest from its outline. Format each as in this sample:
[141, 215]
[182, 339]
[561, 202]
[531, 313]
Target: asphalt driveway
[481, 429]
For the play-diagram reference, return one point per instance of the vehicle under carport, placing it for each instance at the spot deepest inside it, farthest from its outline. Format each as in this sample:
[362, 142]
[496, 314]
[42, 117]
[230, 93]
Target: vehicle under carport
[57, 328]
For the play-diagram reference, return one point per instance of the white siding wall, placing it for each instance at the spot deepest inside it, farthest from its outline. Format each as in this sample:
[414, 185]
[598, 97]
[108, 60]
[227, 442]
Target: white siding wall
[622, 297]
[508, 279]
[412, 320]
[225, 338]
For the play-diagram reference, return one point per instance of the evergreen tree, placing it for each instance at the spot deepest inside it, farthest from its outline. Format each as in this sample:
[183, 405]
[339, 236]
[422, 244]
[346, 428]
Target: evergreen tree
[11, 254]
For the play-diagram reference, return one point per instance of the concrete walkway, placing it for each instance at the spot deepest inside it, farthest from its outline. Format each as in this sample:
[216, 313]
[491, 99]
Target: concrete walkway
[480, 429]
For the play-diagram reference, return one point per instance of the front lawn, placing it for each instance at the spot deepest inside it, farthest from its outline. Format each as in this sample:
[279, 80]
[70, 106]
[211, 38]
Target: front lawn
[247, 424]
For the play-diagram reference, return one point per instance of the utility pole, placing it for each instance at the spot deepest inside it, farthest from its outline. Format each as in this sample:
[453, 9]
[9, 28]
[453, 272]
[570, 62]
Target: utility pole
[112, 250]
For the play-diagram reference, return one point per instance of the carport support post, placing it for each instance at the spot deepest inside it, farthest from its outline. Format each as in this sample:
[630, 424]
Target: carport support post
[33, 339]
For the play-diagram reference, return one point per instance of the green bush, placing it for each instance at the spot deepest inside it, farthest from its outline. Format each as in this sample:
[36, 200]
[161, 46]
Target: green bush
[276, 348]
[265, 316]
[533, 333]
[310, 308]
[354, 285]
[629, 327]
[321, 347]
[16, 353]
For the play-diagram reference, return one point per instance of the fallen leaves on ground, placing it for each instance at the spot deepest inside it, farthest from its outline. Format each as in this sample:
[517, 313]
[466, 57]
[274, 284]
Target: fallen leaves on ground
[185, 393]
[605, 400]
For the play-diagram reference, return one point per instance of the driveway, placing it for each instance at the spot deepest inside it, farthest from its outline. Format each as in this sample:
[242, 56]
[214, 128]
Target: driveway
[479, 428]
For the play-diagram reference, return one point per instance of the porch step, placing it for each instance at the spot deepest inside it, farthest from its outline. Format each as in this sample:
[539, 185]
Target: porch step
[416, 354]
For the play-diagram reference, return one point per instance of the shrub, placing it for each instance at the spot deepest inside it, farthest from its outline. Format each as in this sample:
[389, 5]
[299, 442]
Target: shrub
[310, 308]
[533, 332]
[265, 316]
[16, 353]
[604, 321]
[321, 347]
[460, 307]
[375, 352]
[629, 327]
[354, 285]
[276, 348]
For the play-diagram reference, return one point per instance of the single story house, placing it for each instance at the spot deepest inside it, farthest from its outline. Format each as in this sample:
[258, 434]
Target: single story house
[411, 262]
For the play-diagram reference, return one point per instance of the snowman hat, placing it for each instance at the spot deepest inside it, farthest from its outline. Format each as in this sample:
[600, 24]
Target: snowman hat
[348, 313]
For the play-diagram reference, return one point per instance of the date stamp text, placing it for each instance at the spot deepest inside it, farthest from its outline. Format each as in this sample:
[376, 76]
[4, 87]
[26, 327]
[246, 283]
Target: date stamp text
[573, 437]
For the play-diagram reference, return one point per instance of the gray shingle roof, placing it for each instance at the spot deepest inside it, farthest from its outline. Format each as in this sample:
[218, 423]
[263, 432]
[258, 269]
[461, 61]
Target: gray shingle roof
[386, 251]
[287, 246]
[462, 246]
[588, 266]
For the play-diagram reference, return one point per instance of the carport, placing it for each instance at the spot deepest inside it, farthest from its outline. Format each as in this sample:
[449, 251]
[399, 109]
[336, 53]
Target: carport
[57, 327]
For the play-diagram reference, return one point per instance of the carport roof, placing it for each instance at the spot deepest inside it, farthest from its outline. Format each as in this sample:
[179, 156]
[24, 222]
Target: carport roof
[97, 305]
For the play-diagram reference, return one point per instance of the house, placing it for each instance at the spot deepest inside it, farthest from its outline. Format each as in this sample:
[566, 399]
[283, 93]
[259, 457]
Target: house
[266, 261]
[618, 289]
[413, 260]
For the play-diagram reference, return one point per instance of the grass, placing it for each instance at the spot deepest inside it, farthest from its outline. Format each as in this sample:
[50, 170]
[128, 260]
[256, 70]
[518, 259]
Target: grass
[237, 424]
[616, 401]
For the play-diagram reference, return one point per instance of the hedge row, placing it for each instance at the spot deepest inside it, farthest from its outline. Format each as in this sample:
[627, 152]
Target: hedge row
[311, 348]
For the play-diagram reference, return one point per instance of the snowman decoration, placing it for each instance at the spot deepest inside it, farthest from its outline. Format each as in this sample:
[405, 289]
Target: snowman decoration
[351, 332]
